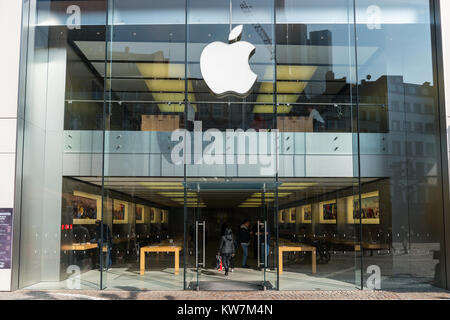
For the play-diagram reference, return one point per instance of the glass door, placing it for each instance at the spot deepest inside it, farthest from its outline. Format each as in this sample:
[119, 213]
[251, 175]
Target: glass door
[269, 235]
[234, 241]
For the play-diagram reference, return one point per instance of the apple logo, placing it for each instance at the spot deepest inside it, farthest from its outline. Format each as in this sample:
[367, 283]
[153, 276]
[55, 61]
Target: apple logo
[225, 67]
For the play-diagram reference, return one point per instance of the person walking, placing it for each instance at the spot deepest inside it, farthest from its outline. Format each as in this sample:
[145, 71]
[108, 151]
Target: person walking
[222, 233]
[244, 239]
[227, 249]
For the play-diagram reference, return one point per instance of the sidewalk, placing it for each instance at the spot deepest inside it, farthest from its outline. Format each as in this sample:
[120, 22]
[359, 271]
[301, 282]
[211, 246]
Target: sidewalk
[222, 295]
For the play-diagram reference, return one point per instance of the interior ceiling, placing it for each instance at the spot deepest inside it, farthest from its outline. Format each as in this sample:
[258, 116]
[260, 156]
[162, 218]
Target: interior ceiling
[157, 69]
[170, 192]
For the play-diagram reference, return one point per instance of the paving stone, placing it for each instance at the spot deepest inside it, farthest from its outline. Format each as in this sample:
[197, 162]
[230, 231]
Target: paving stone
[221, 295]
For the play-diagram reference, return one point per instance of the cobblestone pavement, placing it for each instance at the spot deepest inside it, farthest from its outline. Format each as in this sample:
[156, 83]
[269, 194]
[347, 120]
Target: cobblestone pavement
[218, 295]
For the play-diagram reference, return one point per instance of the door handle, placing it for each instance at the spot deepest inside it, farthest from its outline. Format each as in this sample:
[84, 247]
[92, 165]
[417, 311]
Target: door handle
[204, 244]
[265, 244]
[196, 244]
[260, 224]
[262, 261]
[258, 244]
[197, 263]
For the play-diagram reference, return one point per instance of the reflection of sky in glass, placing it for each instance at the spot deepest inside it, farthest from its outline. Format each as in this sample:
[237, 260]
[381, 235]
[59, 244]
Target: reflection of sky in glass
[391, 49]
[402, 50]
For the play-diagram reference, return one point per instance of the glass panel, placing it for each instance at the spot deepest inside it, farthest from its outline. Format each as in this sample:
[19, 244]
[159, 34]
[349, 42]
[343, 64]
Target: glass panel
[318, 175]
[61, 119]
[231, 154]
[270, 203]
[145, 75]
[402, 214]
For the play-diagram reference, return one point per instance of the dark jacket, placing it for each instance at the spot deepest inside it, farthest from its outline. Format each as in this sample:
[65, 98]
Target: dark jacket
[244, 234]
[227, 243]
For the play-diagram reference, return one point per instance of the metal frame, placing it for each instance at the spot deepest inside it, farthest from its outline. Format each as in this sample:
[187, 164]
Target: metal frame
[445, 161]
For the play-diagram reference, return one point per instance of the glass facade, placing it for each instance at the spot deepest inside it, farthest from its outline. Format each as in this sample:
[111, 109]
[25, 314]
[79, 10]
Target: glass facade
[327, 171]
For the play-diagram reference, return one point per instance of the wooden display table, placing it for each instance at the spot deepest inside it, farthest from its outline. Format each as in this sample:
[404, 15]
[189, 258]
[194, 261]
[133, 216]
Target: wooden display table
[81, 247]
[372, 246]
[299, 248]
[161, 248]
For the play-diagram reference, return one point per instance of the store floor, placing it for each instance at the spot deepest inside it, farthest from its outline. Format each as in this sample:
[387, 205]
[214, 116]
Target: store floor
[413, 270]
[120, 279]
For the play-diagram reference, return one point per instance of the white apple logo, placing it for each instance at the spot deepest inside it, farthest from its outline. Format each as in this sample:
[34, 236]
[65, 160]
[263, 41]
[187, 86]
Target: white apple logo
[225, 67]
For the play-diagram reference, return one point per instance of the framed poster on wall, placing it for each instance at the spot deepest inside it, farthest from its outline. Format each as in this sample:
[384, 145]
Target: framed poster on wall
[328, 212]
[153, 215]
[306, 214]
[292, 215]
[139, 213]
[164, 216]
[86, 207]
[281, 216]
[370, 208]
[120, 212]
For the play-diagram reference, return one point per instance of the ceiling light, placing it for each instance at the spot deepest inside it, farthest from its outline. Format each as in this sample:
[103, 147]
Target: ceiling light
[297, 79]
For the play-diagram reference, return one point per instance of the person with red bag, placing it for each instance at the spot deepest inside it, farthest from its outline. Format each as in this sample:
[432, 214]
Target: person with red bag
[227, 249]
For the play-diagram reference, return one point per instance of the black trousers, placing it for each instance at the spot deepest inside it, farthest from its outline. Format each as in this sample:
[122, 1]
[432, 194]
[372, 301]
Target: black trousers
[226, 261]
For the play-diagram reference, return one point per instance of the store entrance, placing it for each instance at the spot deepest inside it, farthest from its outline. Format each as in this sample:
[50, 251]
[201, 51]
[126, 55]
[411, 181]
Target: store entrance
[232, 235]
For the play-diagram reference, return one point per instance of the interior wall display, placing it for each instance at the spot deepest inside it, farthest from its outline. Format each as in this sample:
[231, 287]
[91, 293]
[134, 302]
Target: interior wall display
[152, 215]
[292, 215]
[370, 208]
[86, 208]
[120, 212]
[281, 216]
[139, 213]
[306, 214]
[164, 216]
[328, 212]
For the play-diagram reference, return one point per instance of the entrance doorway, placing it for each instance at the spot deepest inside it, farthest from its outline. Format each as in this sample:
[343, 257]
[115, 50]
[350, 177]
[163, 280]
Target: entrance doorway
[215, 207]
